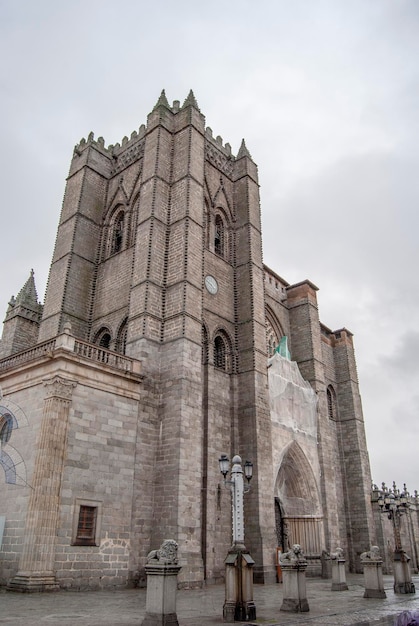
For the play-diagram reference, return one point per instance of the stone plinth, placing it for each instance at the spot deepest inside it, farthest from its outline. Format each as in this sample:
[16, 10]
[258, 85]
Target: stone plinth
[161, 595]
[338, 575]
[402, 574]
[239, 604]
[373, 573]
[294, 567]
[294, 583]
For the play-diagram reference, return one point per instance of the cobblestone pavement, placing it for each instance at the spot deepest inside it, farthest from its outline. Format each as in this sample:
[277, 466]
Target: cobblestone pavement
[204, 607]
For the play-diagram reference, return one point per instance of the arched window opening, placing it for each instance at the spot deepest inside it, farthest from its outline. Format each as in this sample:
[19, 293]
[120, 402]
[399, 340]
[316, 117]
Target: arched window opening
[219, 236]
[118, 233]
[105, 341]
[220, 360]
[103, 338]
[331, 403]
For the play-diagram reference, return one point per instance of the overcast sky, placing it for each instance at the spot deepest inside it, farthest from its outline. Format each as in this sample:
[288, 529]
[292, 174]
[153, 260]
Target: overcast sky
[326, 95]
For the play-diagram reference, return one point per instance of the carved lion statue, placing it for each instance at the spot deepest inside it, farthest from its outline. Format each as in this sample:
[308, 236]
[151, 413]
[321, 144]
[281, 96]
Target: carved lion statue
[166, 554]
[295, 555]
[371, 555]
[337, 555]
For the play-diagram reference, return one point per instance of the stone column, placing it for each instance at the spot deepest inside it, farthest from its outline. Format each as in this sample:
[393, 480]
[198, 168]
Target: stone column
[36, 566]
[373, 573]
[338, 571]
[294, 567]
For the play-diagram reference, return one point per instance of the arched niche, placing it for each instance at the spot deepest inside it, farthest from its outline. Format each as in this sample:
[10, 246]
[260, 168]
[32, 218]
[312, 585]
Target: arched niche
[298, 496]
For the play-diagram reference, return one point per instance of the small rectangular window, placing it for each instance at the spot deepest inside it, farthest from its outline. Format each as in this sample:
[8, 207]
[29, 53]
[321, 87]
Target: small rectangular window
[86, 523]
[86, 527]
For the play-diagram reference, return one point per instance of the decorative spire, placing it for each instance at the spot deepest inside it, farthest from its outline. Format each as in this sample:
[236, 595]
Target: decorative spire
[190, 101]
[243, 152]
[28, 296]
[162, 101]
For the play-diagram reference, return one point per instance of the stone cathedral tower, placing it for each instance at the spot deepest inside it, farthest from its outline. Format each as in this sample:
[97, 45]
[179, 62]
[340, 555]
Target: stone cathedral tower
[151, 359]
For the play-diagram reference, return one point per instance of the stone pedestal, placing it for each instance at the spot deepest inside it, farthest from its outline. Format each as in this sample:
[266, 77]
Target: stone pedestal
[239, 605]
[402, 574]
[294, 582]
[161, 595]
[373, 574]
[338, 575]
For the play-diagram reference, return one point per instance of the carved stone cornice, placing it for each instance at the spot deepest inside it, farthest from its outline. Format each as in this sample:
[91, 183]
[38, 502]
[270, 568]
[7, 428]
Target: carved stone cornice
[218, 159]
[127, 157]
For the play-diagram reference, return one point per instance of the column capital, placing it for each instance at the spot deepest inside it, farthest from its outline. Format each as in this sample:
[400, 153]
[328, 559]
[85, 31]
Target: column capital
[59, 387]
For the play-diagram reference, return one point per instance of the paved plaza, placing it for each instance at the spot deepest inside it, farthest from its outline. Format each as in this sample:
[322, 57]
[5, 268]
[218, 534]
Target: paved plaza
[204, 607]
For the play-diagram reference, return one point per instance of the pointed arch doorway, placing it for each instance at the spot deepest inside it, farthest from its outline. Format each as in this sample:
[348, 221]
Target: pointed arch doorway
[298, 510]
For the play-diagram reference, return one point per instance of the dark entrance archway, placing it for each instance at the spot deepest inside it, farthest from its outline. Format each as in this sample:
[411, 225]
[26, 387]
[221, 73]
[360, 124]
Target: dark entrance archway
[298, 510]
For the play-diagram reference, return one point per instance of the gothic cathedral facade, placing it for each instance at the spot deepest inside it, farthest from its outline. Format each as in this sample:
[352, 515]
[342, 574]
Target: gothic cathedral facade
[156, 351]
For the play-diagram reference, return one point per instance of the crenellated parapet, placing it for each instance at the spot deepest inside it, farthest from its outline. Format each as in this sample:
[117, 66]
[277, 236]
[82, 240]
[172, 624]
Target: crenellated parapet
[121, 155]
[131, 149]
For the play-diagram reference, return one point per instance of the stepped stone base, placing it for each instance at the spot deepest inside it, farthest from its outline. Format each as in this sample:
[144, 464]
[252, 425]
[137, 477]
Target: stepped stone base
[33, 583]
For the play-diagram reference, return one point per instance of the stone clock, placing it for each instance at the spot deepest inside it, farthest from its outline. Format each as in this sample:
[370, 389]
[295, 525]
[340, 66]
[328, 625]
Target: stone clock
[211, 284]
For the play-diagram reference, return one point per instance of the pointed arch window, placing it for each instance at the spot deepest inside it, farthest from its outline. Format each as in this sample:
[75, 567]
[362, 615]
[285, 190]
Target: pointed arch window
[331, 403]
[121, 341]
[271, 339]
[103, 338]
[220, 353]
[223, 355]
[105, 341]
[118, 233]
[274, 332]
[219, 236]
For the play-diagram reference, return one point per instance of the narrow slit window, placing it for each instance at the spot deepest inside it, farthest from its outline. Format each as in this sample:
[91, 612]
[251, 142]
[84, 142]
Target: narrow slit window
[331, 403]
[219, 236]
[118, 233]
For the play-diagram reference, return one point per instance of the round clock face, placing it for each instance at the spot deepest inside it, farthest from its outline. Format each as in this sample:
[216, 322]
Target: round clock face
[211, 284]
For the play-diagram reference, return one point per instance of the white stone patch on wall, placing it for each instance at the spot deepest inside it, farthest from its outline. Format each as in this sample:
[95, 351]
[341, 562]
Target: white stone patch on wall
[116, 548]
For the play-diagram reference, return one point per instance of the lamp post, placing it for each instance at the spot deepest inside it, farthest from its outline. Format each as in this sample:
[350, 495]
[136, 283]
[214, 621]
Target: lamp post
[238, 489]
[238, 605]
[396, 504]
